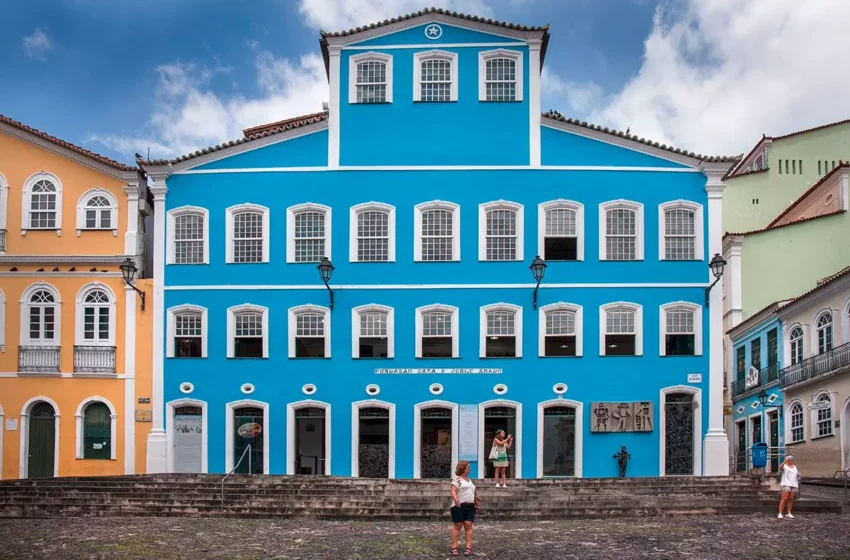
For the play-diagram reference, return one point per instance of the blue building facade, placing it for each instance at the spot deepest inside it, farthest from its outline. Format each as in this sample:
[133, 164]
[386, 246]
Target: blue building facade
[758, 355]
[423, 195]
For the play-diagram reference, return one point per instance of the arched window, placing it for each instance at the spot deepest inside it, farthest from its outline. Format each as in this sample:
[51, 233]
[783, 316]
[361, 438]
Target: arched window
[437, 331]
[501, 331]
[247, 331]
[560, 231]
[560, 329]
[247, 234]
[309, 332]
[797, 433]
[187, 332]
[372, 235]
[370, 78]
[41, 316]
[97, 209]
[436, 235]
[796, 342]
[500, 232]
[435, 76]
[42, 208]
[372, 332]
[500, 75]
[188, 236]
[621, 231]
[680, 231]
[308, 233]
[824, 332]
[96, 307]
[622, 334]
[681, 329]
[824, 416]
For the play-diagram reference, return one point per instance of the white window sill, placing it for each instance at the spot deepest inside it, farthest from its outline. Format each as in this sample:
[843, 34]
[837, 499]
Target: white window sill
[823, 436]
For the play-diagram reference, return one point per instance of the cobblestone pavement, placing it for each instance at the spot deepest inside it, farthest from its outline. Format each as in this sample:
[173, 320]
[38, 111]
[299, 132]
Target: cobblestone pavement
[695, 538]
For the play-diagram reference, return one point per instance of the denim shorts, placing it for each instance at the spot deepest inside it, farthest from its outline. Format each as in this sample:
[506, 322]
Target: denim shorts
[466, 512]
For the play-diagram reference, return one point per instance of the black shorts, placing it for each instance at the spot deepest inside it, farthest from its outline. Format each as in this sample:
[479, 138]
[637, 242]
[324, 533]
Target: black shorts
[466, 512]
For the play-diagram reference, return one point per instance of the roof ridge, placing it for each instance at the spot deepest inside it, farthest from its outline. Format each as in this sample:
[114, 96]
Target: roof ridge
[824, 282]
[805, 130]
[810, 190]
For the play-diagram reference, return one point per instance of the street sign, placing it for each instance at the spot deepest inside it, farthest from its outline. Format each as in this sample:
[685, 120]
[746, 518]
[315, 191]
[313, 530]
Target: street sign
[694, 378]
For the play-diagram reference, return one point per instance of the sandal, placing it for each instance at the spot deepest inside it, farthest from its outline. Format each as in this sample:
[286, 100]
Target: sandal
[455, 552]
[468, 552]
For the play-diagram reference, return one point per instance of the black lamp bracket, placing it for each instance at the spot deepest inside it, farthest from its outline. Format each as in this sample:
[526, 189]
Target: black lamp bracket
[331, 292]
[708, 290]
[537, 287]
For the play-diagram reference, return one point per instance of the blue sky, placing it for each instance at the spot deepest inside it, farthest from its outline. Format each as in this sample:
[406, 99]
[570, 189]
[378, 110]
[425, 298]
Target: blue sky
[175, 75]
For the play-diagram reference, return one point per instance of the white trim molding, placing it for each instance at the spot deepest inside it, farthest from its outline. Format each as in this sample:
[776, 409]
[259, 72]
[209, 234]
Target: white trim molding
[79, 315]
[845, 322]
[82, 207]
[487, 207]
[578, 313]
[293, 326]
[438, 307]
[486, 56]
[291, 213]
[621, 204]
[232, 312]
[171, 408]
[229, 240]
[579, 432]
[26, 202]
[417, 432]
[80, 425]
[789, 419]
[662, 427]
[356, 332]
[423, 207]
[171, 220]
[370, 56]
[23, 462]
[699, 227]
[434, 54]
[662, 322]
[353, 231]
[229, 411]
[482, 327]
[355, 434]
[25, 316]
[290, 432]
[814, 423]
[4, 203]
[172, 313]
[815, 329]
[561, 204]
[2, 329]
[637, 309]
[482, 452]
[787, 332]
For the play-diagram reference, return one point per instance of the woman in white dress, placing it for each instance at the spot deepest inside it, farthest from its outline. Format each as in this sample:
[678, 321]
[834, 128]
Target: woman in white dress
[789, 485]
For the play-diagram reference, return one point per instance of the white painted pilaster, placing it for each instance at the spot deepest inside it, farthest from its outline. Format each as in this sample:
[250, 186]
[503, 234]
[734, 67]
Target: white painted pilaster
[333, 105]
[157, 458]
[733, 280]
[130, 380]
[716, 444]
[534, 101]
[132, 232]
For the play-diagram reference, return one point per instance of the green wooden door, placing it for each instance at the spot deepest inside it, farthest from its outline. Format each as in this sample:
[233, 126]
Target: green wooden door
[97, 432]
[42, 439]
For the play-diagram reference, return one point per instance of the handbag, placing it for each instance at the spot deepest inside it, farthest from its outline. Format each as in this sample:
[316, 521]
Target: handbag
[494, 453]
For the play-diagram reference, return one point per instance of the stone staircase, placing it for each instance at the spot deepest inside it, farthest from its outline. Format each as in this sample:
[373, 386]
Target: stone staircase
[347, 498]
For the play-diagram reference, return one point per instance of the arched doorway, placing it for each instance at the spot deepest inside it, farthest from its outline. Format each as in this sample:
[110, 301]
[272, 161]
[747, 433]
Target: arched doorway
[435, 439]
[559, 441]
[188, 442]
[496, 415]
[248, 425]
[41, 440]
[310, 440]
[680, 410]
[373, 439]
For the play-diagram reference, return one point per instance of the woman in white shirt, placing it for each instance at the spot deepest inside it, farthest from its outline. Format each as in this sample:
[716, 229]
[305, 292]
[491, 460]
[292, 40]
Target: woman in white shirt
[465, 503]
[789, 485]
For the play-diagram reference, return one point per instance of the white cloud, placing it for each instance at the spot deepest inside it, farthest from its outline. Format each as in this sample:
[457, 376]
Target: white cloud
[717, 74]
[189, 114]
[580, 97]
[37, 44]
[340, 15]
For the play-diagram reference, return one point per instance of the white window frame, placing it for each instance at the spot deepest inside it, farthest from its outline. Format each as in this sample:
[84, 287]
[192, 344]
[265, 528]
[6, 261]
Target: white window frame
[699, 227]
[845, 322]
[560, 204]
[355, 327]
[815, 424]
[4, 202]
[231, 326]
[603, 325]
[170, 231]
[26, 202]
[80, 417]
[171, 320]
[82, 207]
[787, 332]
[25, 315]
[577, 310]
[455, 312]
[230, 218]
[789, 431]
[290, 229]
[435, 54]
[816, 330]
[2, 323]
[354, 216]
[309, 308]
[483, 57]
[637, 207]
[482, 327]
[79, 323]
[662, 332]
[370, 56]
[417, 227]
[486, 207]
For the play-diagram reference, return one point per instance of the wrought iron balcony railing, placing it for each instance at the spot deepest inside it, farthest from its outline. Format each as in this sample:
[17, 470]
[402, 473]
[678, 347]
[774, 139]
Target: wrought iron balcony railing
[2, 240]
[822, 364]
[767, 375]
[94, 359]
[38, 359]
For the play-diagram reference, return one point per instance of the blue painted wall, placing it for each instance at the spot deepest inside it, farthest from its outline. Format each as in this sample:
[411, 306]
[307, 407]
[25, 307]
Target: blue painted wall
[305, 151]
[558, 148]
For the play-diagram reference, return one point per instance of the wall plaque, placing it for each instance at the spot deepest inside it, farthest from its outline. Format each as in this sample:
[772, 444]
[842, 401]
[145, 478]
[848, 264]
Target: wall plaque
[438, 371]
[11, 424]
[468, 433]
[144, 400]
[621, 416]
[144, 416]
[694, 378]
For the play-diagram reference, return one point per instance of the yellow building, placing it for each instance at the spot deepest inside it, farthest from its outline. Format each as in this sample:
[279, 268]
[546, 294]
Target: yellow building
[74, 341]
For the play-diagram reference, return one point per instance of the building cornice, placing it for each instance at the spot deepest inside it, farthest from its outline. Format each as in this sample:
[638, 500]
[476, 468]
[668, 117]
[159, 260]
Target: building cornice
[63, 259]
[816, 295]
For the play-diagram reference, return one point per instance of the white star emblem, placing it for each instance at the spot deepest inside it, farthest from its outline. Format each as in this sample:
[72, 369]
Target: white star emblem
[433, 31]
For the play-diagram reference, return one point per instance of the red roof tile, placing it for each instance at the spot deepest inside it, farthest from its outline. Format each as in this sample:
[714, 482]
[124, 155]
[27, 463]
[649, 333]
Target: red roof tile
[800, 221]
[67, 145]
[809, 130]
[823, 283]
[809, 191]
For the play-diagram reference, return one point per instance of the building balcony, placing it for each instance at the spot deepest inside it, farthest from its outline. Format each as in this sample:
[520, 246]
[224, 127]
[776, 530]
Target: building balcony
[816, 366]
[38, 359]
[94, 359]
[767, 375]
[2, 240]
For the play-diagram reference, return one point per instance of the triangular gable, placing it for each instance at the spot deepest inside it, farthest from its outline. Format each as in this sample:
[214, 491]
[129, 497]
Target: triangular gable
[825, 197]
[426, 34]
[308, 150]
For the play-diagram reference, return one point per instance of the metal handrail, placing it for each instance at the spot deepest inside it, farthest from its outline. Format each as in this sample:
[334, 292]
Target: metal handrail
[845, 474]
[767, 375]
[236, 466]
